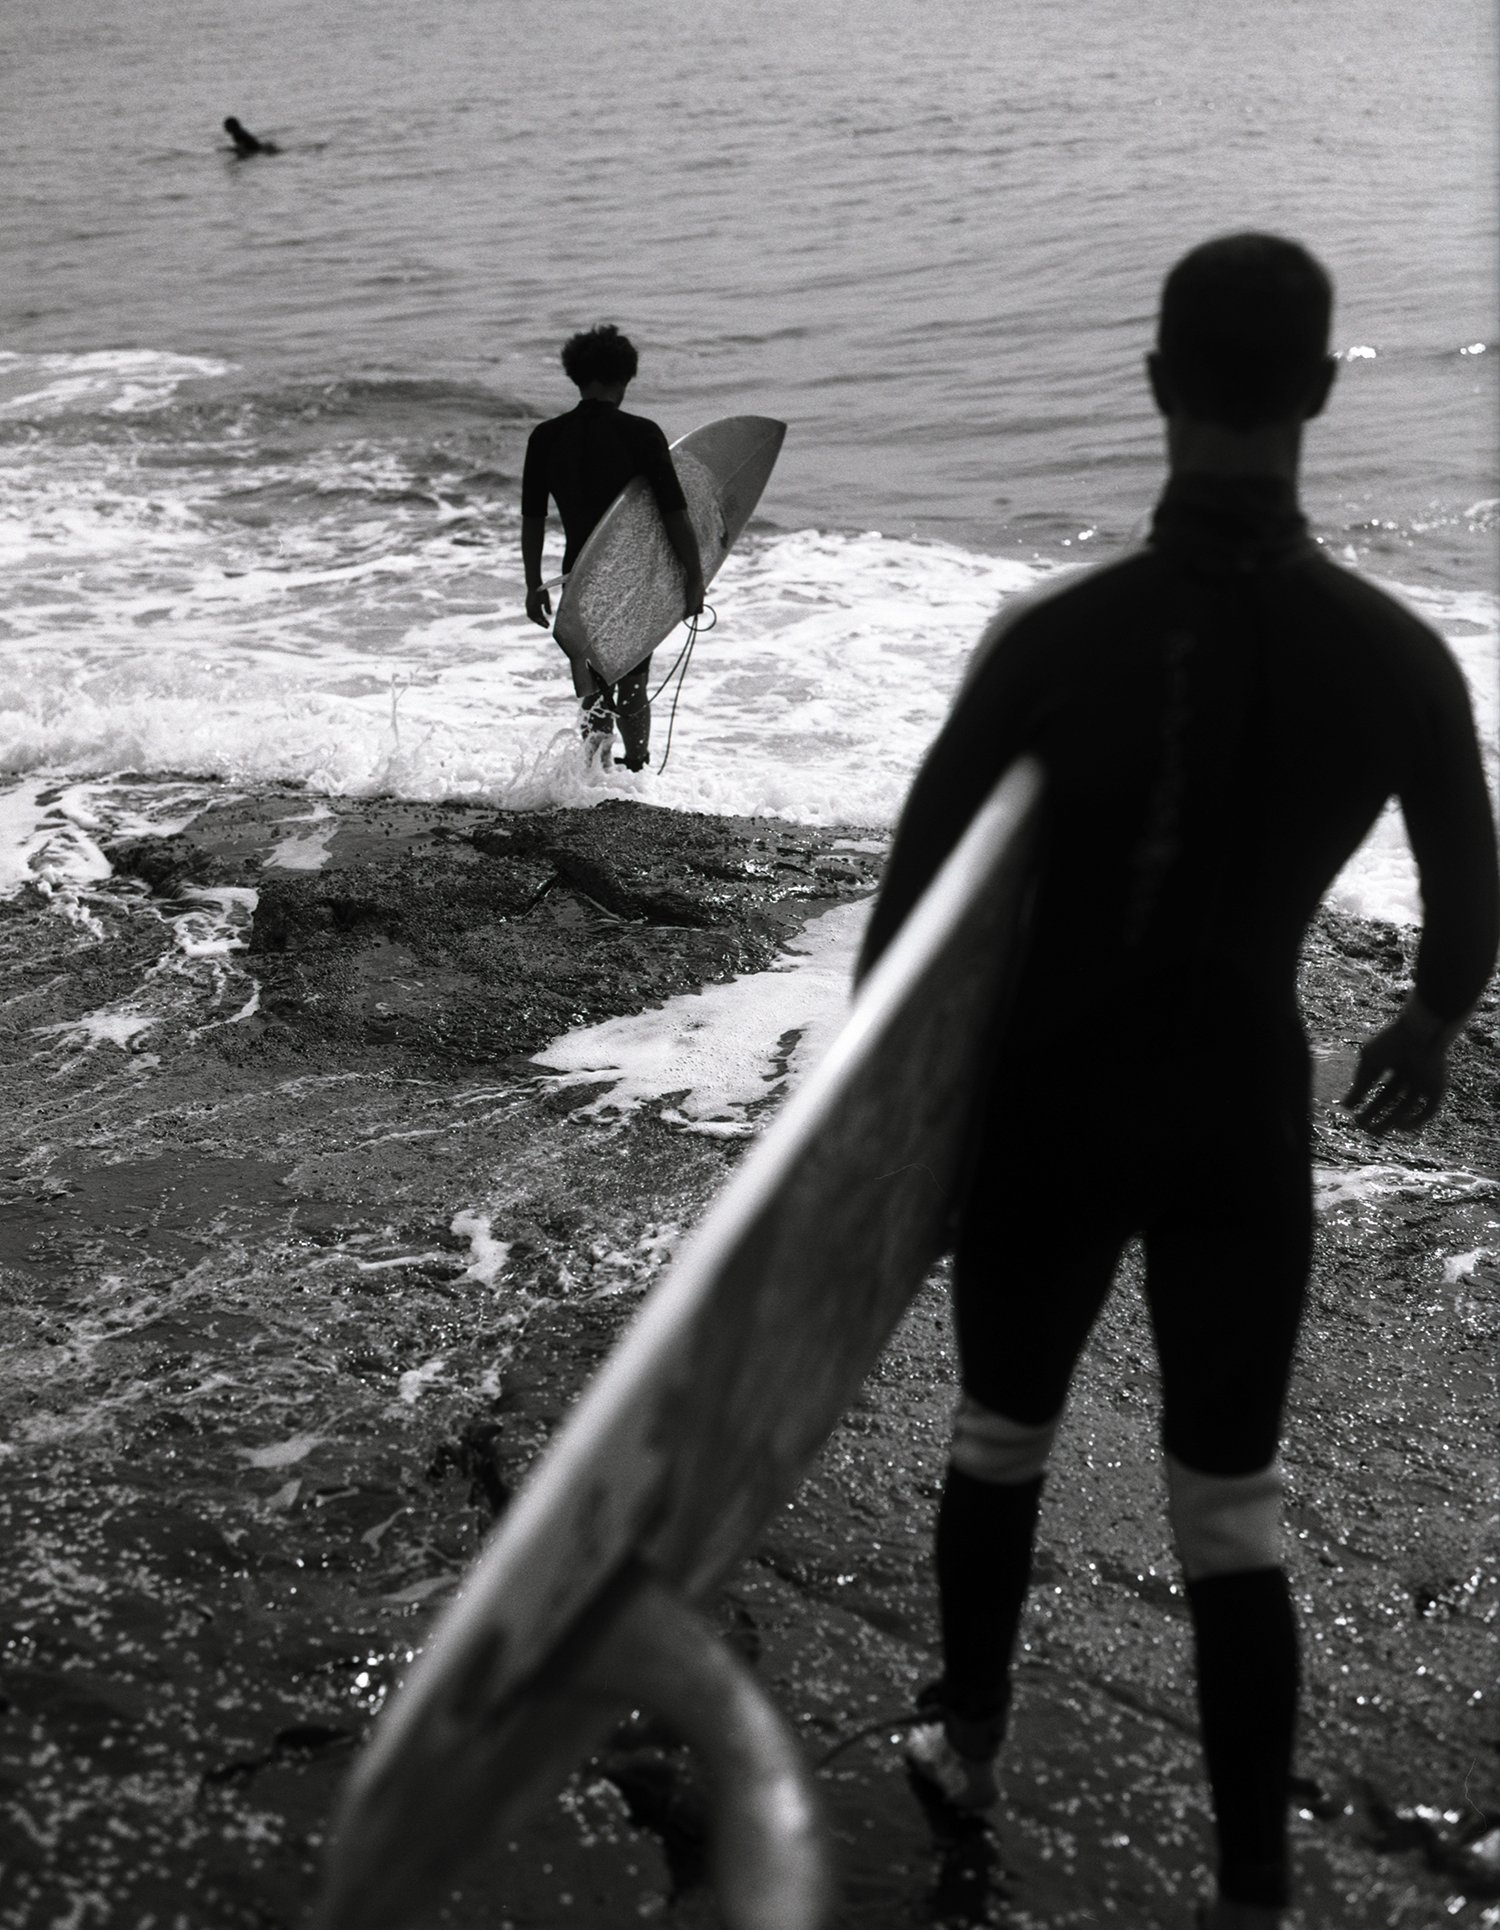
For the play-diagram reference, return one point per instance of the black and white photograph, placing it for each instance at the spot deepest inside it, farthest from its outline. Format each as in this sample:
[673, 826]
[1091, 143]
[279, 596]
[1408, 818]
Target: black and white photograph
[749, 910]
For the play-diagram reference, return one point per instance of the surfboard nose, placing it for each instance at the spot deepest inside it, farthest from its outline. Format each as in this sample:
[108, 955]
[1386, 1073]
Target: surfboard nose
[741, 450]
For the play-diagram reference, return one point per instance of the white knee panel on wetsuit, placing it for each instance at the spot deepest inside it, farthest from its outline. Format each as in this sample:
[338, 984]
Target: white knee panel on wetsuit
[991, 1447]
[1224, 1524]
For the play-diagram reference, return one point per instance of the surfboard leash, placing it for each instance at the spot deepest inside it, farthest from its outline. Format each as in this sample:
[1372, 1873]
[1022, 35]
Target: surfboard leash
[907, 1718]
[684, 657]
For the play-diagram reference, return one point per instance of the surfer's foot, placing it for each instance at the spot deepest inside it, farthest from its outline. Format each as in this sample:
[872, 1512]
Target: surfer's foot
[635, 763]
[967, 1782]
[954, 1754]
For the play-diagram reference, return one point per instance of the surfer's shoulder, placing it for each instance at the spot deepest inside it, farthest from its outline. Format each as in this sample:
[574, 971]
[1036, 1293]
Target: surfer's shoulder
[1060, 595]
[642, 428]
[1403, 654]
[549, 429]
[1369, 603]
[1061, 605]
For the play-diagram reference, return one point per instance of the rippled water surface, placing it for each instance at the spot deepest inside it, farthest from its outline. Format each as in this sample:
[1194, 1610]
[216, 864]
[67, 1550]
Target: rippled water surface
[261, 423]
[929, 234]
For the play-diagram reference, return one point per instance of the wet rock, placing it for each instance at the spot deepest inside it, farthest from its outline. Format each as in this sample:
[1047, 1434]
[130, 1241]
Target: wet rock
[261, 1410]
[1464, 1850]
[472, 1455]
[1308, 1794]
[90, 1716]
[662, 1797]
[448, 933]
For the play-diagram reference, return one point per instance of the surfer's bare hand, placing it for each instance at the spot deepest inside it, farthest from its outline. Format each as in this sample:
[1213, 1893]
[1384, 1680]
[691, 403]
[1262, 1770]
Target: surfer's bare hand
[1401, 1076]
[538, 605]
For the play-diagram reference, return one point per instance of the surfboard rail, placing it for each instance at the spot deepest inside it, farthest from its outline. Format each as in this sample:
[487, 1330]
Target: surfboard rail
[703, 1418]
[624, 592]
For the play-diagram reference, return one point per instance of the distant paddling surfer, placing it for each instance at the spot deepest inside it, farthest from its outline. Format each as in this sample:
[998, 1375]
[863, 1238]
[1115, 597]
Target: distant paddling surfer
[582, 460]
[246, 143]
[1220, 716]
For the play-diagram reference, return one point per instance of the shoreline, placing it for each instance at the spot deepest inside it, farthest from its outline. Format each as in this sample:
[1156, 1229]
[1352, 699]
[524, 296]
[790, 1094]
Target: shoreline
[301, 1262]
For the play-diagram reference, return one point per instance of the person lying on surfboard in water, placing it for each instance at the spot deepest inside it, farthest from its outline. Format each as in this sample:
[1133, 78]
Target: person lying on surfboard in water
[1220, 716]
[247, 144]
[581, 461]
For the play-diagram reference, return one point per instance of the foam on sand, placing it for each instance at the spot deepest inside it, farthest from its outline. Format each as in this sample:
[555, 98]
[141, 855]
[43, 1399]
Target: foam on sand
[719, 1055]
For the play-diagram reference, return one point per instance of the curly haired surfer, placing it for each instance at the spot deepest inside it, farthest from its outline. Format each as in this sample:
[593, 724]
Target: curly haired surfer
[581, 461]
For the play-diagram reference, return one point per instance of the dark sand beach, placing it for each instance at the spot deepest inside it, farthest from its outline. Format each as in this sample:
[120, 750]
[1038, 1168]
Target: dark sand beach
[263, 1398]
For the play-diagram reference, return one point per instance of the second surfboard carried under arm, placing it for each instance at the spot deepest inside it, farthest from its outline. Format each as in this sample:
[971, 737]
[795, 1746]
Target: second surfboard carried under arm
[625, 592]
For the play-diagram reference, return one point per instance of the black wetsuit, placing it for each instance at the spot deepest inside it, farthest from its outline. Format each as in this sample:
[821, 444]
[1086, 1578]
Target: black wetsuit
[1220, 717]
[583, 460]
[247, 144]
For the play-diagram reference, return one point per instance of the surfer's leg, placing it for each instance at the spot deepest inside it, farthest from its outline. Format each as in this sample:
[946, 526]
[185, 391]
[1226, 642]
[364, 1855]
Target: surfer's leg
[1032, 1267]
[1225, 1294]
[596, 722]
[633, 708]
[585, 683]
[1023, 1307]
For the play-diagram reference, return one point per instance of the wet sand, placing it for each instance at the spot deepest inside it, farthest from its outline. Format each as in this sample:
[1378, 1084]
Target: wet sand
[267, 1376]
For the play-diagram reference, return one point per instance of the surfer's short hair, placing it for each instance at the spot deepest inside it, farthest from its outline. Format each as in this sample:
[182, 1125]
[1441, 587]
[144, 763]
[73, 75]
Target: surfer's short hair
[599, 354]
[1243, 331]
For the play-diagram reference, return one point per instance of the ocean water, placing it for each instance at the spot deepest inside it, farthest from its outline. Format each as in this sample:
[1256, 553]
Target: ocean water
[261, 424]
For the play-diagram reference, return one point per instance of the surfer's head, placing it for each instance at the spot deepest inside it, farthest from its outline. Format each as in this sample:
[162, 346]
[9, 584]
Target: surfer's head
[1242, 339]
[244, 141]
[601, 356]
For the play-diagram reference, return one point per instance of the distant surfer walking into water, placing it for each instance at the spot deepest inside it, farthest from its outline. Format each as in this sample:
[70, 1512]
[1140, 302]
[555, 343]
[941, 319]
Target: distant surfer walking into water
[1220, 717]
[246, 143]
[581, 461]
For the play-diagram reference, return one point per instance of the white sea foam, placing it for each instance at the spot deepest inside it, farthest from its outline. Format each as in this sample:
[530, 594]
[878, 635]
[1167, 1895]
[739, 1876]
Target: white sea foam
[720, 1054]
[305, 850]
[118, 1025]
[23, 832]
[318, 618]
[220, 926]
[1462, 1266]
[489, 1254]
[282, 1454]
[1365, 1186]
[415, 1382]
[113, 381]
[829, 672]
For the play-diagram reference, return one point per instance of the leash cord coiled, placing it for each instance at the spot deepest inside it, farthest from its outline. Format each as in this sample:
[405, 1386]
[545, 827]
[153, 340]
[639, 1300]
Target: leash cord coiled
[684, 658]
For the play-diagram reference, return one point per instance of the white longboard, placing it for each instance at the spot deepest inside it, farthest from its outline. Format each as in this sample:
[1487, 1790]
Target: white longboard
[625, 592]
[702, 1420]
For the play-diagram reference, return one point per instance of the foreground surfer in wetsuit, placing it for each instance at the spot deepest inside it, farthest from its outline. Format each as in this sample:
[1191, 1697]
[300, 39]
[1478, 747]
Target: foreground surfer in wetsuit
[582, 460]
[1220, 717]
